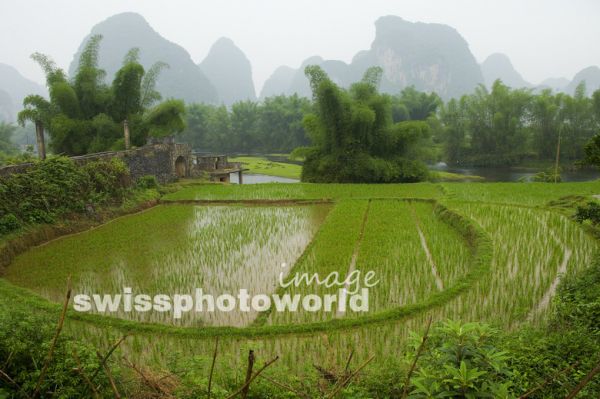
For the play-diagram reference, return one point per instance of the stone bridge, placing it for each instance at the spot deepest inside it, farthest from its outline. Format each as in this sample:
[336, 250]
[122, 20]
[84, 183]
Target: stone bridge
[162, 158]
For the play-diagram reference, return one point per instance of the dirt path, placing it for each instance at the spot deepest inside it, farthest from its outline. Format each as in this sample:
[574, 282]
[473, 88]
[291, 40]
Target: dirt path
[434, 270]
[352, 266]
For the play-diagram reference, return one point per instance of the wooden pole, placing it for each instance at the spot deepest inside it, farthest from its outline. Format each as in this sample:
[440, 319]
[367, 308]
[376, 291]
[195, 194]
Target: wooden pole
[248, 374]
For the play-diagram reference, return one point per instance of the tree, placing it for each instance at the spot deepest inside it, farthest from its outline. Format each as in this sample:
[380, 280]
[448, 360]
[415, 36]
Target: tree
[244, 123]
[579, 125]
[39, 111]
[414, 105]
[547, 123]
[353, 136]
[86, 115]
[280, 126]
[6, 132]
[452, 116]
[274, 125]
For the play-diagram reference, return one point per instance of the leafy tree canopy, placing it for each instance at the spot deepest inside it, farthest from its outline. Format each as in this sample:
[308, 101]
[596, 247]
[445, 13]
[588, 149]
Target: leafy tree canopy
[354, 137]
[85, 114]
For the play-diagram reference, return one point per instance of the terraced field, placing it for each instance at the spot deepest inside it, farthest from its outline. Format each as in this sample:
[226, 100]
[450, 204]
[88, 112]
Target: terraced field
[484, 252]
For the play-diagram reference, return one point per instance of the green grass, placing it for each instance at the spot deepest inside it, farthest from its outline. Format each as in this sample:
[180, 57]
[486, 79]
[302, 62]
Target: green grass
[262, 166]
[442, 176]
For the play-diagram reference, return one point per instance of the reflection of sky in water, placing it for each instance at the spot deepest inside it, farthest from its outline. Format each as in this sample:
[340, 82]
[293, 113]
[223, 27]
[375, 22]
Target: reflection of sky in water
[256, 179]
[222, 250]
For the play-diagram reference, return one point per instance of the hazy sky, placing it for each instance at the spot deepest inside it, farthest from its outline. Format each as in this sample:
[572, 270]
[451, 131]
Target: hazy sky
[543, 38]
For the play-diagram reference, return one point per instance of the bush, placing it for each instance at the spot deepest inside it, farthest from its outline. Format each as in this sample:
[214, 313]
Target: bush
[25, 339]
[548, 176]
[590, 212]
[461, 361]
[147, 182]
[568, 348]
[9, 223]
[107, 179]
[57, 186]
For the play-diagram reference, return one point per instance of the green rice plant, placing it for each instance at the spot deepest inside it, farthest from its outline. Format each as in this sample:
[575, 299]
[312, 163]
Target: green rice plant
[531, 194]
[173, 250]
[392, 249]
[263, 166]
[331, 251]
[532, 250]
[284, 191]
[449, 251]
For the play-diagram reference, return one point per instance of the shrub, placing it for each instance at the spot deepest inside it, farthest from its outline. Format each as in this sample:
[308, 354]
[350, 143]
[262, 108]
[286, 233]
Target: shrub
[25, 339]
[461, 361]
[57, 186]
[590, 212]
[107, 179]
[147, 182]
[9, 223]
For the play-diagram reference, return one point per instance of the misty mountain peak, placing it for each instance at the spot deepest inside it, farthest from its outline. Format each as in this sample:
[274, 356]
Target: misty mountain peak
[589, 75]
[498, 66]
[230, 71]
[14, 88]
[121, 32]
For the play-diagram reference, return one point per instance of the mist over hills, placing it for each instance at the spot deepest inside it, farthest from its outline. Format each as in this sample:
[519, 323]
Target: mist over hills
[499, 66]
[14, 87]
[556, 84]
[591, 76]
[278, 82]
[183, 79]
[7, 108]
[431, 57]
[428, 56]
[229, 70]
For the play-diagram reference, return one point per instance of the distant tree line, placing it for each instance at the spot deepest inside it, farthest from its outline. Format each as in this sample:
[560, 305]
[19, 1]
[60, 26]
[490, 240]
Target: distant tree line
[489, 127]
[275, 125]
[271, 126]
[505, 126]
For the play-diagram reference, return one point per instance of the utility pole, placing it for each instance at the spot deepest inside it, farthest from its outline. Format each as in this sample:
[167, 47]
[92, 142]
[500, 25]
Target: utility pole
[41, 145]
[126, 132]
[557, 157]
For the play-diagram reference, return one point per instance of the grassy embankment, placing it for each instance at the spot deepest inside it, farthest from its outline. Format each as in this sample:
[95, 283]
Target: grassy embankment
[263, 166]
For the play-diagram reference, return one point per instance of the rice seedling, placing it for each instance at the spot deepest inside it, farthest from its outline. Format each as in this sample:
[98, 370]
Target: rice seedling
[174, 250]
[281, 191]
[532, 248]
[331, 251]
[531, 194]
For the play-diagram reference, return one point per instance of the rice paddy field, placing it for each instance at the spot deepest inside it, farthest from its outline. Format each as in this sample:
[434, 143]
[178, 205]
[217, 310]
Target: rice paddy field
[492, 252]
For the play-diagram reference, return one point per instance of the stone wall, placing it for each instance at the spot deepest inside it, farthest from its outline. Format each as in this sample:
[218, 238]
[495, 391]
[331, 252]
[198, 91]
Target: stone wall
[157, 159]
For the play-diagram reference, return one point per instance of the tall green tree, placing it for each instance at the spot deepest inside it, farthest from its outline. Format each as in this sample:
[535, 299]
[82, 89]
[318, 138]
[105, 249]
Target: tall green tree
[353, 136]
[6, 145]
[86, 115]
[547, 123]
[40, 112]
[579, 125]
